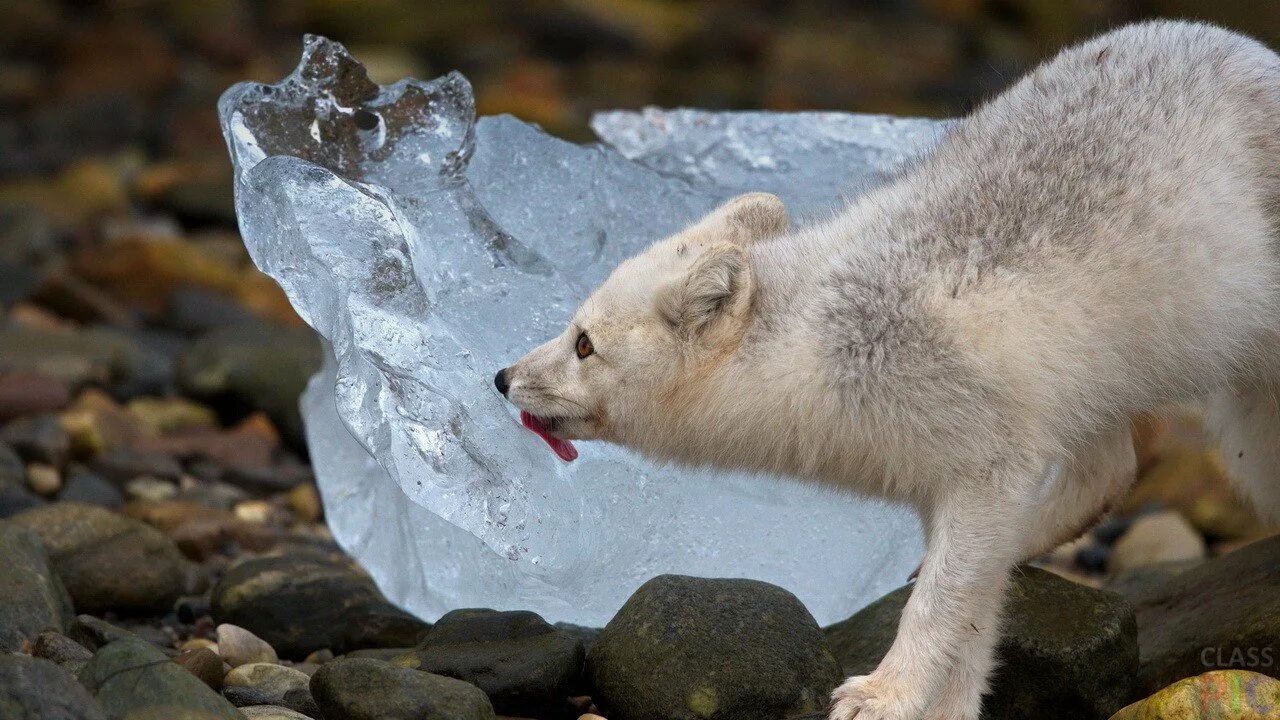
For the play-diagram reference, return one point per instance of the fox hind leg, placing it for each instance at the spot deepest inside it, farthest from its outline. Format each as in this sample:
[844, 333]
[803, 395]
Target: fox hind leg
[1246, 418]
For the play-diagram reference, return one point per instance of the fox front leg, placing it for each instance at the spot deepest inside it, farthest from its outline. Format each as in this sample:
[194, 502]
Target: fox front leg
[974, 539]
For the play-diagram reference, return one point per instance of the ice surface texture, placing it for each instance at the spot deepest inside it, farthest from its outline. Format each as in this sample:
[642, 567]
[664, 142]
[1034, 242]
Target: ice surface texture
[430, 249]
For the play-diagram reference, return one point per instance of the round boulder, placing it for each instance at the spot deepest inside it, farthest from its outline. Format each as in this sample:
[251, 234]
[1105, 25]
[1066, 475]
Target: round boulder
[302, 603]
[526, 666]
[1067, 652]
[35, 689]
[131, 678]
[368, 689]
[696, 649]
[106, 561]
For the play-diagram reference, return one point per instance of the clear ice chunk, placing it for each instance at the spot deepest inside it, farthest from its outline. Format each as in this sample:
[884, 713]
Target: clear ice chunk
[429, 249]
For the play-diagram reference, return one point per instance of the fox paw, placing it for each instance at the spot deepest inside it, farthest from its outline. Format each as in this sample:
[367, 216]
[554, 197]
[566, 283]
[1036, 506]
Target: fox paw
[868, 697]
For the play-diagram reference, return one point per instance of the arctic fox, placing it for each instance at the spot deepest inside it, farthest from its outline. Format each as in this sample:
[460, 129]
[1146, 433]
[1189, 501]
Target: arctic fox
[974, 337]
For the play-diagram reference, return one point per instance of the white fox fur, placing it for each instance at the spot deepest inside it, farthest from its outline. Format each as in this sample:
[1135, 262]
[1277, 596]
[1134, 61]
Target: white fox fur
[974, 337]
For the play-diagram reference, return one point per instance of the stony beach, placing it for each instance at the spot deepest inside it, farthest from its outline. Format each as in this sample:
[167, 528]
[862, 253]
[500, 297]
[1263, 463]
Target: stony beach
[163, 547]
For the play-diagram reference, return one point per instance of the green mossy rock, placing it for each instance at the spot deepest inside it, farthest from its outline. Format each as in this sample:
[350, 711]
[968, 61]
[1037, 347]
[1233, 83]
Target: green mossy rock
[1068, 652]
[133, 680]
[685, 648]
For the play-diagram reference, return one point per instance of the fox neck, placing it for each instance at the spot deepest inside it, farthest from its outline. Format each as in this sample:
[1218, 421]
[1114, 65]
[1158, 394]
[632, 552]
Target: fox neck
[766, 404]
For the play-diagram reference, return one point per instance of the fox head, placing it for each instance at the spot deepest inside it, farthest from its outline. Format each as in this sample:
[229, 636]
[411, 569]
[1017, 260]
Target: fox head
[661, 320]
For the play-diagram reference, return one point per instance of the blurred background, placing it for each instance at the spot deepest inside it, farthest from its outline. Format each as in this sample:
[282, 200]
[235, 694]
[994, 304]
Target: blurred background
[146, 367]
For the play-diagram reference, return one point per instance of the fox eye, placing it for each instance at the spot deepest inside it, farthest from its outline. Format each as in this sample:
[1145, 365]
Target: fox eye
[585, 348]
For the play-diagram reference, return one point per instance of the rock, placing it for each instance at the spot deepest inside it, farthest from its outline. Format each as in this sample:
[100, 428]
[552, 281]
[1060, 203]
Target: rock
[106, 561]
[366, 689]
[1158, 538]
[38, 438]
[15, 496]
[241, 696]
[198, 643]
[272, 712]
[684, 647]
[305, 502]
[59, 649]
[97, 355]
[26, 393]
[130, 676]
[35, 689]
[86, 487]
[72, 298]
[259, 367]
[248, 447]
[123, 464]
[204, 664]
[1093, 558]
[305, 602]
[274, 682]
[1221, 614]
[526, 666]
[43, 479]
[94, 633]
[240, 647]
[254, 511]
[1067, 651]
[203, 532]
[1131, 584]
[1216, 695]
[33, 598]
[173, 414]
[170, 712]
[150, 489]
[97, 424]
[195, 311]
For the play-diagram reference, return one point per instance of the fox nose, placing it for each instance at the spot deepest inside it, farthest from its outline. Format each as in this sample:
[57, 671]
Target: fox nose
[500, 381]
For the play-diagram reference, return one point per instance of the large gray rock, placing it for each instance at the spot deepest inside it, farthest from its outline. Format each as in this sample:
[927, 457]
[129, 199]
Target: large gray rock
[368, 689]
[526, 666]
[702, 649]
[35, 689]
[1068, 652]
[32, 598]
[1221, 614]
[130, 679]
[302, 603]
[107, 561]
[253, 367]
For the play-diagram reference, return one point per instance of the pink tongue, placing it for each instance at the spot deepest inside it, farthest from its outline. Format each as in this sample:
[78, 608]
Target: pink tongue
[563, 448]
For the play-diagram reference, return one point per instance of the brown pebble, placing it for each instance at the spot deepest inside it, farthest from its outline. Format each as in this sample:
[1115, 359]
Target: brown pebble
[44, 479]
[320, 657]
[305, 502]
[198, 644]
[59, 648]
[204, 664]
[28, 393]
[241, 647]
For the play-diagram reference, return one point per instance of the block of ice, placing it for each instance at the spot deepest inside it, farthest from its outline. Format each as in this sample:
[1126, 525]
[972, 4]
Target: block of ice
[429, 249]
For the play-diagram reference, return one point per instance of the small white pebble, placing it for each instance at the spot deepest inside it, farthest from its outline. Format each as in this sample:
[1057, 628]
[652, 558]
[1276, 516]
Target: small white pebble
[44, 479]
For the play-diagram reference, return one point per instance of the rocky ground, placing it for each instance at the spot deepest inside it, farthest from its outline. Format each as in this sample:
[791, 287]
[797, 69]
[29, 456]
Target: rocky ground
[166, 554]
[163, 551]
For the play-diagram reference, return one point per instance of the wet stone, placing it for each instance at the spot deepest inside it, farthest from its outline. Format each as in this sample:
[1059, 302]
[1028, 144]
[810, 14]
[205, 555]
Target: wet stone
[32, 598]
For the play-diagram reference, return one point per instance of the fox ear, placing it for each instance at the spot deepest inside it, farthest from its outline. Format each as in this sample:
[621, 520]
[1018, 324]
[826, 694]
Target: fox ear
[743, 220]
[752, 217]
[719, 285]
